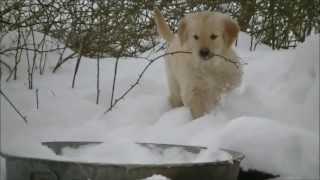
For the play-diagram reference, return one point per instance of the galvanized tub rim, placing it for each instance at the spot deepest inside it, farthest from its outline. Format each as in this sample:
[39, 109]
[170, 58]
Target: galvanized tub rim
[236, 156]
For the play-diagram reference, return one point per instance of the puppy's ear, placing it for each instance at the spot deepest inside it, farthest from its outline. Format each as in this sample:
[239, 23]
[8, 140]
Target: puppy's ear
[182, 31]
[231, 31]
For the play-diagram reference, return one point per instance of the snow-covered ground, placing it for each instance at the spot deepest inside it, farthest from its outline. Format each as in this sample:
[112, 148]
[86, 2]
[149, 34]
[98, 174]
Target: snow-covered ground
[273, 118]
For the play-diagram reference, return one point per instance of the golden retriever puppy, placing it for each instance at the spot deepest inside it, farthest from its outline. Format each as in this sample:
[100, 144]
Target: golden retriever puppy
[198, 79]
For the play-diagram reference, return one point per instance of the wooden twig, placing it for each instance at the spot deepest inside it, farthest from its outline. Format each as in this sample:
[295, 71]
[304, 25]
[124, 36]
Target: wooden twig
[28, 62]
[15, 68]
[5, 65]
[52, 92]
[61, 54]
[34, 57]
[139, 78]
[71, 56]
[98, 80]
[23, 47]
[114, 83]
[14, 107]
[43, 55]
[232, 61]
[37, 98]
[0, 113]
[43, 67]
[150, 62]
[76, 71]
[17, 57]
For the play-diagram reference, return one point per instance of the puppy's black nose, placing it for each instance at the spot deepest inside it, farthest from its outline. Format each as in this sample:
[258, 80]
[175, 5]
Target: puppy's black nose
[204, 52]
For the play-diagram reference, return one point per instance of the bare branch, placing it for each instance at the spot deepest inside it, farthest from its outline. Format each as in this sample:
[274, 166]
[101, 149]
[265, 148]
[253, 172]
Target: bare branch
[150, 62]
[5, 65]
[14, 107]
[114, 83]
[71, 56]
[76, 71]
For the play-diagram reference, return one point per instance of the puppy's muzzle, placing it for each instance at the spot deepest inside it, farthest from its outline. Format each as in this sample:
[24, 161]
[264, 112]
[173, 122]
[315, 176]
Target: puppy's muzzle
[204, 53]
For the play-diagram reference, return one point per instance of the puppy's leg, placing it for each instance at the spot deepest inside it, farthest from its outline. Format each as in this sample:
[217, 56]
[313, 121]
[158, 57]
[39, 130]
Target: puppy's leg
[198, 103]
[174, 98]
[196, 97]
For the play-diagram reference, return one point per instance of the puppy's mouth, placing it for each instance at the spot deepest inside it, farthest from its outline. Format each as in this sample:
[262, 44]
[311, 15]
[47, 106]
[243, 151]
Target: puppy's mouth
[205, 54]
[206, 58]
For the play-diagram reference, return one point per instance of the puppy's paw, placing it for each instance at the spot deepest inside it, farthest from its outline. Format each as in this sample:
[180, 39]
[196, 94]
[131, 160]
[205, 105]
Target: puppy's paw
[199, 105]
[197, 112]
[175, 101]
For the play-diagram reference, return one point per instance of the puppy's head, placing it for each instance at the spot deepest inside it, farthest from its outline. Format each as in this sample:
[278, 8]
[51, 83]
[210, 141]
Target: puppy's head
[207, 33]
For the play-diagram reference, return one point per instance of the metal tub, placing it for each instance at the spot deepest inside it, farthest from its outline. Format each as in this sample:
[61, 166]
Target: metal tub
[21, 168]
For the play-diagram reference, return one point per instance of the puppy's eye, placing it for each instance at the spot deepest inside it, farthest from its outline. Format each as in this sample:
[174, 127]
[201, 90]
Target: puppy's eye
[195, 37]
[213, 36]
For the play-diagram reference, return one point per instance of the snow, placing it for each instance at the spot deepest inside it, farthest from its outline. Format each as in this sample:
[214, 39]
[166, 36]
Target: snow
[122, 152]
[272, 117]
[156, 177]
[271, 144]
